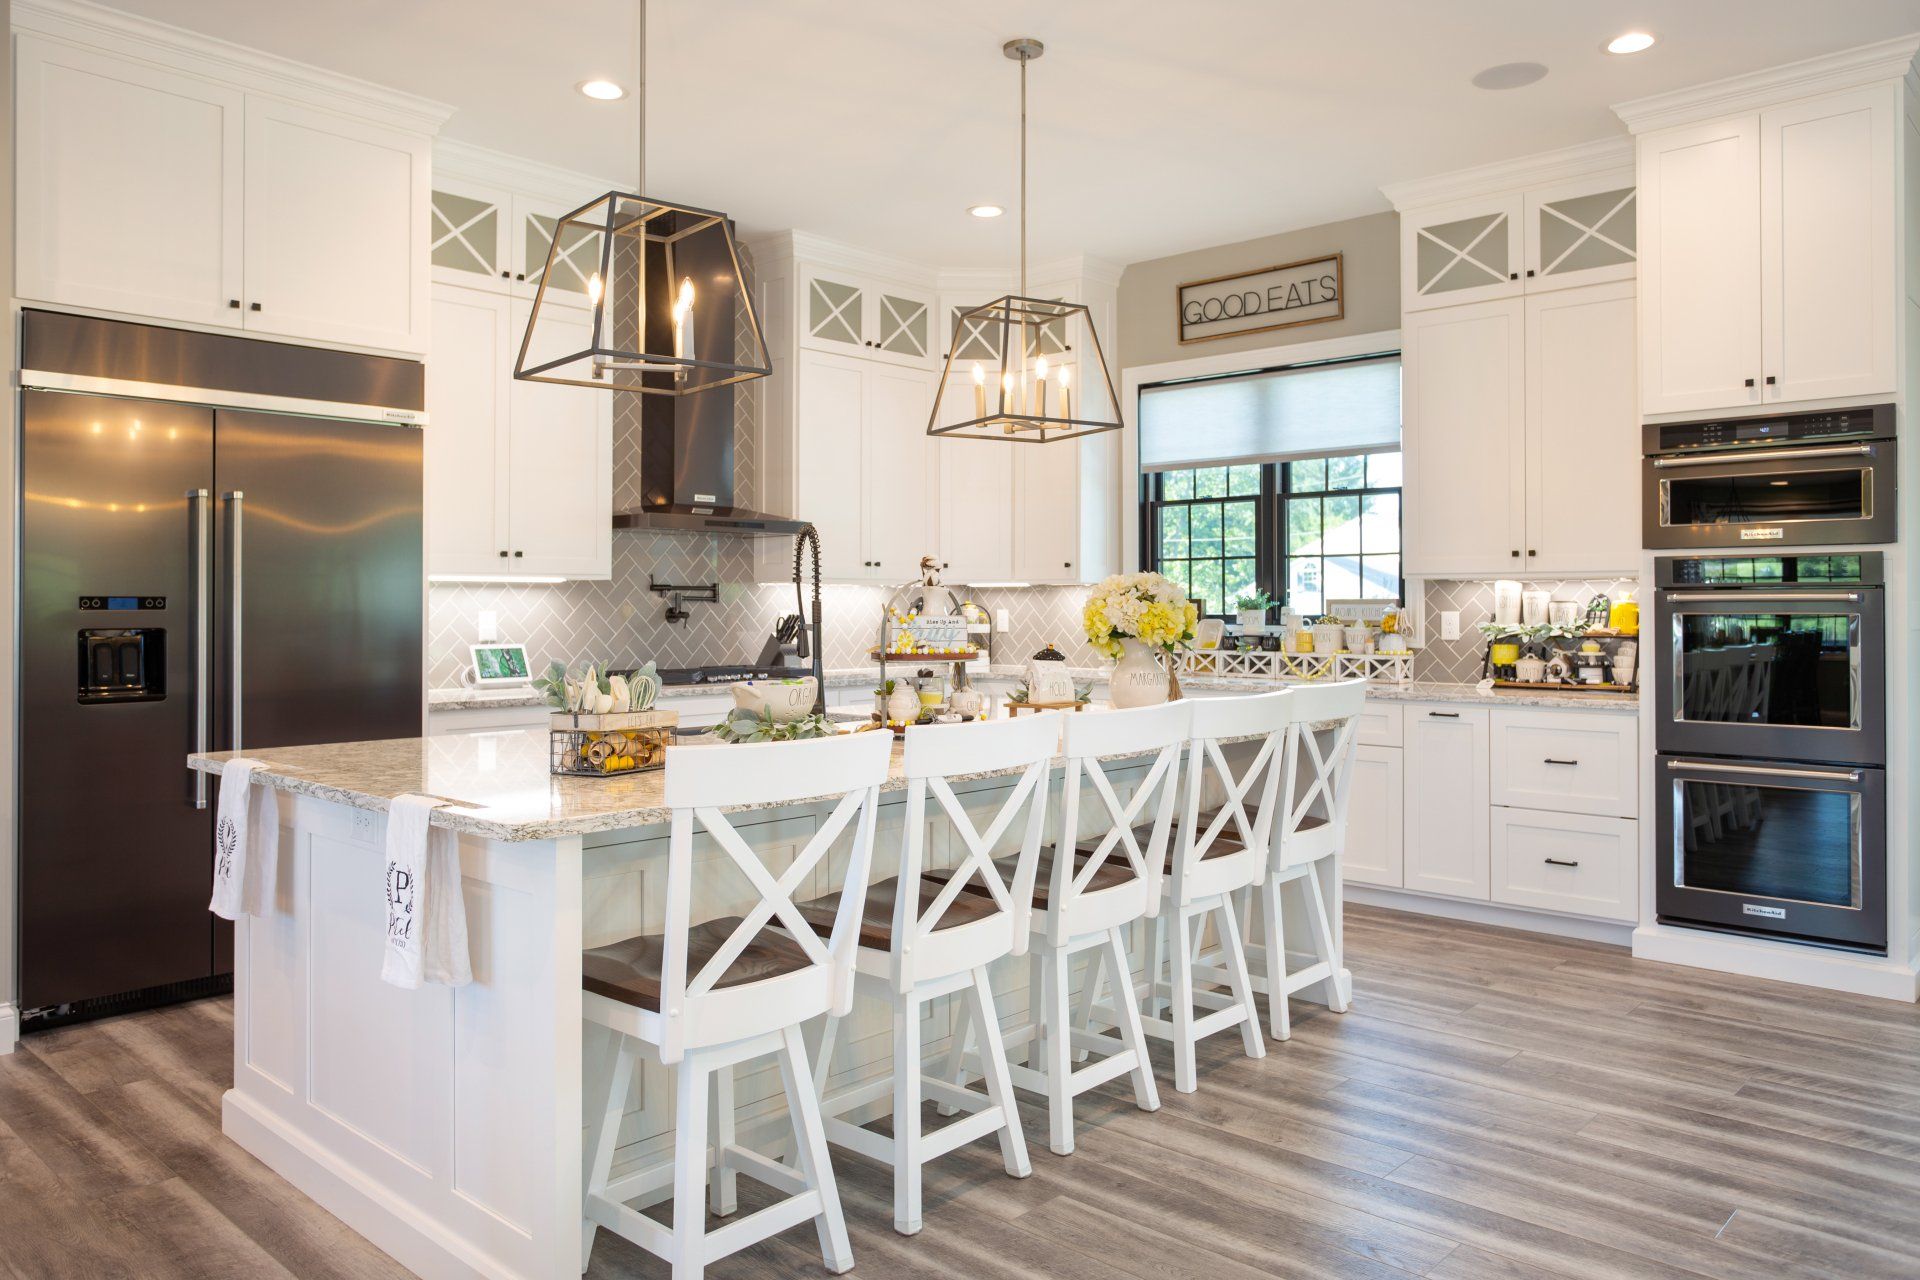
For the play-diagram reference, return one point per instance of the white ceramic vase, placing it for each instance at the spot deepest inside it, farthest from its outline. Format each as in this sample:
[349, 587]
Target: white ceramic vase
[1139, 679]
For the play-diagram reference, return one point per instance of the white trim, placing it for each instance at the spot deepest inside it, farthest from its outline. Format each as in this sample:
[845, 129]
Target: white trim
[528, 177]
[223, 62]
[1488, 913]
[1546, 167]
[9, 1027]
[1807, 966]
[1136, 376]
[1848, 69]
[38, 379]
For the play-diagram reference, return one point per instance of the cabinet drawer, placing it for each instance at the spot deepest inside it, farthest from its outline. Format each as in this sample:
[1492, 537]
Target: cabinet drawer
[1567, 761]
[1382, 724]
[1566, 862]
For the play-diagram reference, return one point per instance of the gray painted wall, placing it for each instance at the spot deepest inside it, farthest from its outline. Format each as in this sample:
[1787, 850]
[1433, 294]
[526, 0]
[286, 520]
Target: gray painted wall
[9, 486]
[1148, 333]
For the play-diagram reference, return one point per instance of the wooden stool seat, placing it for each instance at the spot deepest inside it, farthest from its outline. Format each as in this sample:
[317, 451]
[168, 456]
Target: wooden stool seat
[876, 921]
[629, 970]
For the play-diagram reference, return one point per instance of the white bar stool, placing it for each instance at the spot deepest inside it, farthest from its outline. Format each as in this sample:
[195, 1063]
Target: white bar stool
[1316, 776]
[710, 996]
[923, 937]
[1216, 855]
[1083, 901]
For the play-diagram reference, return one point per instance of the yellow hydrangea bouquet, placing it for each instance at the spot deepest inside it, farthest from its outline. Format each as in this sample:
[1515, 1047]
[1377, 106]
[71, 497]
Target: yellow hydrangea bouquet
[1146, 607]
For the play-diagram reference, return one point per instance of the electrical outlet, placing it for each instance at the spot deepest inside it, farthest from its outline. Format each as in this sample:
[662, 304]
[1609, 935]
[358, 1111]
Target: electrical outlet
[1449, 624]
[1002, 620]
[487, 629]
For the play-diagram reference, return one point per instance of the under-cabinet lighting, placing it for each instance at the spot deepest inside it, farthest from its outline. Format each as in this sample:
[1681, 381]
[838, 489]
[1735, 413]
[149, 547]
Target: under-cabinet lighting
[496, 578]
[999, 584]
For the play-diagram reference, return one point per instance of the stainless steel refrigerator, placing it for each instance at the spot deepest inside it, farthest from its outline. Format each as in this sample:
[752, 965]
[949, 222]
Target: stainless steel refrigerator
[220, 549]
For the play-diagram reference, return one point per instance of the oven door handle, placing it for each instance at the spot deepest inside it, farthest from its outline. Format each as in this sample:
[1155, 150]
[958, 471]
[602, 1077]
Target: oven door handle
[1741, 601]
[1767, 455]
[1765, 771]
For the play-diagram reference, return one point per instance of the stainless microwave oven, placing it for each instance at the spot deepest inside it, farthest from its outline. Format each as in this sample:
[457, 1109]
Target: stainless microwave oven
[1794, 480]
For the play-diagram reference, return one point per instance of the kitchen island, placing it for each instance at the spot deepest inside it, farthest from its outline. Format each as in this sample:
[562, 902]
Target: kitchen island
[446, 1124]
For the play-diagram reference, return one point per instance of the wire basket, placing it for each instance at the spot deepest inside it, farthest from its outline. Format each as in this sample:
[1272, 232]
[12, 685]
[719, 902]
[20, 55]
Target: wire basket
[609, 746]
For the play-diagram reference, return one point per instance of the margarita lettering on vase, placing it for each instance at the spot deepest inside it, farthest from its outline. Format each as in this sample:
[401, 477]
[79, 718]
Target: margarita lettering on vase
[1135, 618]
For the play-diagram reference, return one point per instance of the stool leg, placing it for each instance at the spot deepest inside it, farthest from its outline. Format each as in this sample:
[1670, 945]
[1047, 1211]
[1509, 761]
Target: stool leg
[1240, 980]
[613, 1090]
[1084, 1002]
[724, 1183]
[690, 1169]
[1156, 959]
[811, 1147]
[906, 1113]
[1322, 929]
[1037, 1008]
[993, 1067]
[1185, 1068]
[1270, 906]
[954, 1069]
[1146, 1094]
[1058, 1054]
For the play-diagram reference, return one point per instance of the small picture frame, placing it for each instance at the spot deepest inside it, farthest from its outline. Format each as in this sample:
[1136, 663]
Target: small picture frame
[500, 666]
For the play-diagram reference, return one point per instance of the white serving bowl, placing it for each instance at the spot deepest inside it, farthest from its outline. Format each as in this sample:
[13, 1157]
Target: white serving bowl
[785, 700]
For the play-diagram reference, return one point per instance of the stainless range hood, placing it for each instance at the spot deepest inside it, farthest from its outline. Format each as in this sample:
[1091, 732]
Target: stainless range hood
[686, 442]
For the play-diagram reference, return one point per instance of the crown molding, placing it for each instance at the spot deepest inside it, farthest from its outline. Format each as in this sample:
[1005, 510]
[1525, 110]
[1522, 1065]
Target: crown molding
[1848, 69]
[1565, 164]
[532, 177]
[94, 26]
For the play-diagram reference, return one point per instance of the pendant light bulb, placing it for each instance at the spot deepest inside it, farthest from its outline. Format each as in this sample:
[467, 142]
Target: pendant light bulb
[595, 288]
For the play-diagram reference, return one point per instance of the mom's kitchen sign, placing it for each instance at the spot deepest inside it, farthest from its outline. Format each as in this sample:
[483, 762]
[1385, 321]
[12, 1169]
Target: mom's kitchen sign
[1269, 298]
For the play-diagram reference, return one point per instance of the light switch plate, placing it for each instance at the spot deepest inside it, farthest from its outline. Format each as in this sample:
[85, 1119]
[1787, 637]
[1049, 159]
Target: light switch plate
[1449, 624]
[487, 629]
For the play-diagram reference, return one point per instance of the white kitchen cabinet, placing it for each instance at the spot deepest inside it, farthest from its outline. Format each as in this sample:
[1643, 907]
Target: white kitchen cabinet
[518, 474]
[1581, 232]
[1046, 500]
[1570, 761]
[129, 192]
[862, 471]
[1373, 854]
[1470, 251]
[1464, 408]
[1582, 493]
[1768, 269]
[166, 195]
[1446, 819]
[976, 510]
[486, 235]
[336, 216]
[1566, 862]
[849, 313]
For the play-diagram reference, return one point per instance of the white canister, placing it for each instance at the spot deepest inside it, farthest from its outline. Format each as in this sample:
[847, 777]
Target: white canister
[1533, 608]
[1530, 669]
[1506, 602]
[1359, 639]
[1327, 636]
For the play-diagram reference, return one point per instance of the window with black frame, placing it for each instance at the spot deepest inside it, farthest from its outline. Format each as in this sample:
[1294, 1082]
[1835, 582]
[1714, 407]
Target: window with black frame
[1293, 486]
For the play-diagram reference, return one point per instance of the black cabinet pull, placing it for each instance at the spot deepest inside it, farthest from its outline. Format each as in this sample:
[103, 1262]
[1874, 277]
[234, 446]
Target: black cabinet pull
[254, 307]
[518, 554]
[1529, 273]
[1769, 379]
[234, 303]
[1749, 381]
[1551, 760]
[503, 555]
[1513, 275]
[1444, 715]
[1532, 552]
[520, 275]
[1560, 862]
[1516, 553]
[1067, 565]
[506, 275]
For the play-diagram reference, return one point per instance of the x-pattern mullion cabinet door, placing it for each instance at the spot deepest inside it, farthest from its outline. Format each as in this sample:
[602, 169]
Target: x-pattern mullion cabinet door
[468, 239]
[903, 327]
[1582, 232]
[532, 233]
[833, 312]
[1462, 253]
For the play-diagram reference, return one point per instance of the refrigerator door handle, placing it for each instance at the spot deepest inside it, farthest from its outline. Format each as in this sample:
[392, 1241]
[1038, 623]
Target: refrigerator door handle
[200, 514]
[235, 529]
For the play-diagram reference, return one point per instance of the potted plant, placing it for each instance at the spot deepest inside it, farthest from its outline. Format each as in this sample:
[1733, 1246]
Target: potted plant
[1134, 618]
[1251, 609]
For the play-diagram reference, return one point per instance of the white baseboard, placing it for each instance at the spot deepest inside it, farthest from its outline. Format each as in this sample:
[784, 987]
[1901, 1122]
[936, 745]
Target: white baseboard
[9, 1027]
[1619, 935]
[1807, 966]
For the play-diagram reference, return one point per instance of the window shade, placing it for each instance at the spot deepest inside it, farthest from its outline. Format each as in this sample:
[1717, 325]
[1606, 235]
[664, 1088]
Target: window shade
[1272, 417]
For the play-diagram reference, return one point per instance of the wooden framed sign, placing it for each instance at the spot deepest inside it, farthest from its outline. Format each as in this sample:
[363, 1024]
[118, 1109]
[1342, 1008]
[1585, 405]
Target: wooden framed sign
[1305, 292]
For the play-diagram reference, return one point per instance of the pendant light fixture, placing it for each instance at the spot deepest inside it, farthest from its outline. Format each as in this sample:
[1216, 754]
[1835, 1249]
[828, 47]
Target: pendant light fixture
[1021, 351]
[669, 310]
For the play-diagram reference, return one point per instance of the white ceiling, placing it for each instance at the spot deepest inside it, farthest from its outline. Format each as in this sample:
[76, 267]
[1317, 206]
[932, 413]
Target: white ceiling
[1158, 125]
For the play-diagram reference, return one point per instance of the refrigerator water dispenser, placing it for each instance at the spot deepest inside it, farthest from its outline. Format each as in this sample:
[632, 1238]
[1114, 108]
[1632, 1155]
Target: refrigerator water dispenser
[123, 665]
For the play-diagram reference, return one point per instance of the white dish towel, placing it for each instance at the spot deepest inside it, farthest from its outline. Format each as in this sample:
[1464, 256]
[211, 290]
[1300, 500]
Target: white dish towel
[246, 844]
[426, 912]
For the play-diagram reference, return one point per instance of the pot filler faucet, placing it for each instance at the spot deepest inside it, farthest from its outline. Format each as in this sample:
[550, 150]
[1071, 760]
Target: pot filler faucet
[809, 643]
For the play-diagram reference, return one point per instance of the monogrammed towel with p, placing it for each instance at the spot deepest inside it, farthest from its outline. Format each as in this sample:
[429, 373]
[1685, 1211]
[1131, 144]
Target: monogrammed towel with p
[426, 913]
[246, 844]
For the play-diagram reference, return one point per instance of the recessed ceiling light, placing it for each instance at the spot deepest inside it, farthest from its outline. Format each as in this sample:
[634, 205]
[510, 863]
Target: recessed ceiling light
[1509, 75]
[601, 90]
[985, 210]
[1632, 42]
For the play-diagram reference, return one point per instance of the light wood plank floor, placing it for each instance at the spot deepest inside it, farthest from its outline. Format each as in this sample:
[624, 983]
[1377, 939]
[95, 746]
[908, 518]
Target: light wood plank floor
[1498, 1106]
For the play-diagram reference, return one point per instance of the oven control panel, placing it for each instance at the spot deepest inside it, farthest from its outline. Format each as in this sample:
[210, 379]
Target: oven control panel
[1872, 422]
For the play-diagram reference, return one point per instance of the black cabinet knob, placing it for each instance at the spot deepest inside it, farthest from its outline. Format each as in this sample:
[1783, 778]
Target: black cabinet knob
[1769, 379]
[1529, 273]
[520, 275]
[1513, 275]
[518, 554]
[1067, 565]
[1749, 381]
[254, 307]
[503, 555]
[1516, 554]
[234, 303]
[506, 275]
[1532, 552]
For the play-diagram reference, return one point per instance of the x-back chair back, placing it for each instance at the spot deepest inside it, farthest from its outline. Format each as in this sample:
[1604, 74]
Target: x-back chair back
[1075, 907]
[1205, 859]
[695, 1010]
[1318, 771]
[935, 754]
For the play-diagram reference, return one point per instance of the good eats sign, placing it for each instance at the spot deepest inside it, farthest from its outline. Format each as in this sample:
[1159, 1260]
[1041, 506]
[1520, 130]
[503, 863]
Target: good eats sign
[1269, 298]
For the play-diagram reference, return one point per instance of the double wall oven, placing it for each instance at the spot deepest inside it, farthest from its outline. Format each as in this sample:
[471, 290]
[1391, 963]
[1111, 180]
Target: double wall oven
[1770, 696]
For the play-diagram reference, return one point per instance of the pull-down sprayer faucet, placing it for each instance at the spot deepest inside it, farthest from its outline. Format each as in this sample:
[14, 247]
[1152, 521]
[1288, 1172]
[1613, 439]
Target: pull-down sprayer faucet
[810, 643]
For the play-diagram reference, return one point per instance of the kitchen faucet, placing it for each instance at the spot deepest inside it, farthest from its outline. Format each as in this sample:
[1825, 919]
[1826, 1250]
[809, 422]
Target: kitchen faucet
[810, 643]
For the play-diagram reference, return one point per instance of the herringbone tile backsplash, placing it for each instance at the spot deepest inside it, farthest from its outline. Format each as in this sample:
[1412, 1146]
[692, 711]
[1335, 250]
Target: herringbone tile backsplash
[1460, 660]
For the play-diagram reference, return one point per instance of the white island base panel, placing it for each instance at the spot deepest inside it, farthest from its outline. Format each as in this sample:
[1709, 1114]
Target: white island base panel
[447, 1126]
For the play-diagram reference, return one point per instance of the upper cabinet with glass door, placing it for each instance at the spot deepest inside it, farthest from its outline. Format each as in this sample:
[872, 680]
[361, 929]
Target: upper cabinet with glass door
[860, 315]
[1555, 236]
[487, 234]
